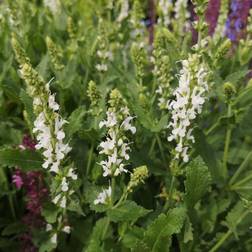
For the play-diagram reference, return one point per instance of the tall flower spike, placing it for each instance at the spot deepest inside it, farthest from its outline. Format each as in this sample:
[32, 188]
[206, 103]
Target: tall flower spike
[165, 8]
[48, 128]
[237, 20]
[180, 22]
[55, 53]
[139, 58]
[53, 6]
[124, 12]
[162, 67]
[223, 14]
[103, 53]
[190, 96]
[115, 147]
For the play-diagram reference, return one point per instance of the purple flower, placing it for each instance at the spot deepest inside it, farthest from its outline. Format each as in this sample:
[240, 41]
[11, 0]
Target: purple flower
[35, 193]
[17, 179]
[237, 19]
[212, 14]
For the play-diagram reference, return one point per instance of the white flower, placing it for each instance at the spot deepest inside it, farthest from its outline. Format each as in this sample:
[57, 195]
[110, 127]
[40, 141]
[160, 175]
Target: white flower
[63, 202]
[64, 185]
[107, 146]
[52, 103]
[48, 227]
[53, 5]
[189, 99]
[54, 238]
[127, 126]
[180, 7]
[71, 174]
[111, 120]
[101, 67]
[103, 196]
[56, 199]
[124, 11]
[67, 229]
[165, 7]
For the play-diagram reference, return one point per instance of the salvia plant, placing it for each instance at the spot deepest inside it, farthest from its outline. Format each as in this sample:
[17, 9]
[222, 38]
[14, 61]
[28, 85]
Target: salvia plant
[125, 125]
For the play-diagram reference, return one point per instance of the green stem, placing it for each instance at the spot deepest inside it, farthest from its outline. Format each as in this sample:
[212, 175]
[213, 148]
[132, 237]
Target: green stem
[105, 229]
[123, 197]
[111, 205]
[209, 131]
[242, 181]
[168, 202]
[221, 241]
[227, 143]
[227, 234]
[112, 191]
[152, 146]
[160, 147]
[10, 197]
[241, 168]
[90, 159]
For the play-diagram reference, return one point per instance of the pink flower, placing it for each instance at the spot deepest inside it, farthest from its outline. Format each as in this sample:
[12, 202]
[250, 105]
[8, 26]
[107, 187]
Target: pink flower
[17, 179]
[35, 193]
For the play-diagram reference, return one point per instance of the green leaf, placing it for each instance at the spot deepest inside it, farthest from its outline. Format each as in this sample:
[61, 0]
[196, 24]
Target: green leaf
[232, 218]
[197, 182]
[95, 242]
[236, 76]
[244, 99]
[128, 211]
[159, 232]
[25, 159]
[50, 212]
[47, 246]
[75, 121]
[188, 231]
[14, 228]
[148, 120]
[208, 154]
[91, 193]
[132, 236]
[27, 101]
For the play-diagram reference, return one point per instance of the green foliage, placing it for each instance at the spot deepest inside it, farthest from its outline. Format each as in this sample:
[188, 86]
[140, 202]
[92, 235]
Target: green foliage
[89, 48]
[129, 211]
[197, 181]
[28, 160]
[158, 234]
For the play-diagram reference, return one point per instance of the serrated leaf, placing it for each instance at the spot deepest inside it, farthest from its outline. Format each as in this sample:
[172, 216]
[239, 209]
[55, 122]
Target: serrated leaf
[47, 246]
[208, 154]
[128, 211]
[236, 76]
[97, 236]
[75, 121]
[159, 232]
[244, 99]
[132, 237]
[148, 120]
[197, 182]
[25, 159]
[14, 228]
[232, 218]
[50, 212]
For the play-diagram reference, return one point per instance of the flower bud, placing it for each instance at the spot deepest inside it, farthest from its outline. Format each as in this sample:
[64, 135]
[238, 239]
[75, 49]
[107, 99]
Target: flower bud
[229, 90]
[137, 177]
